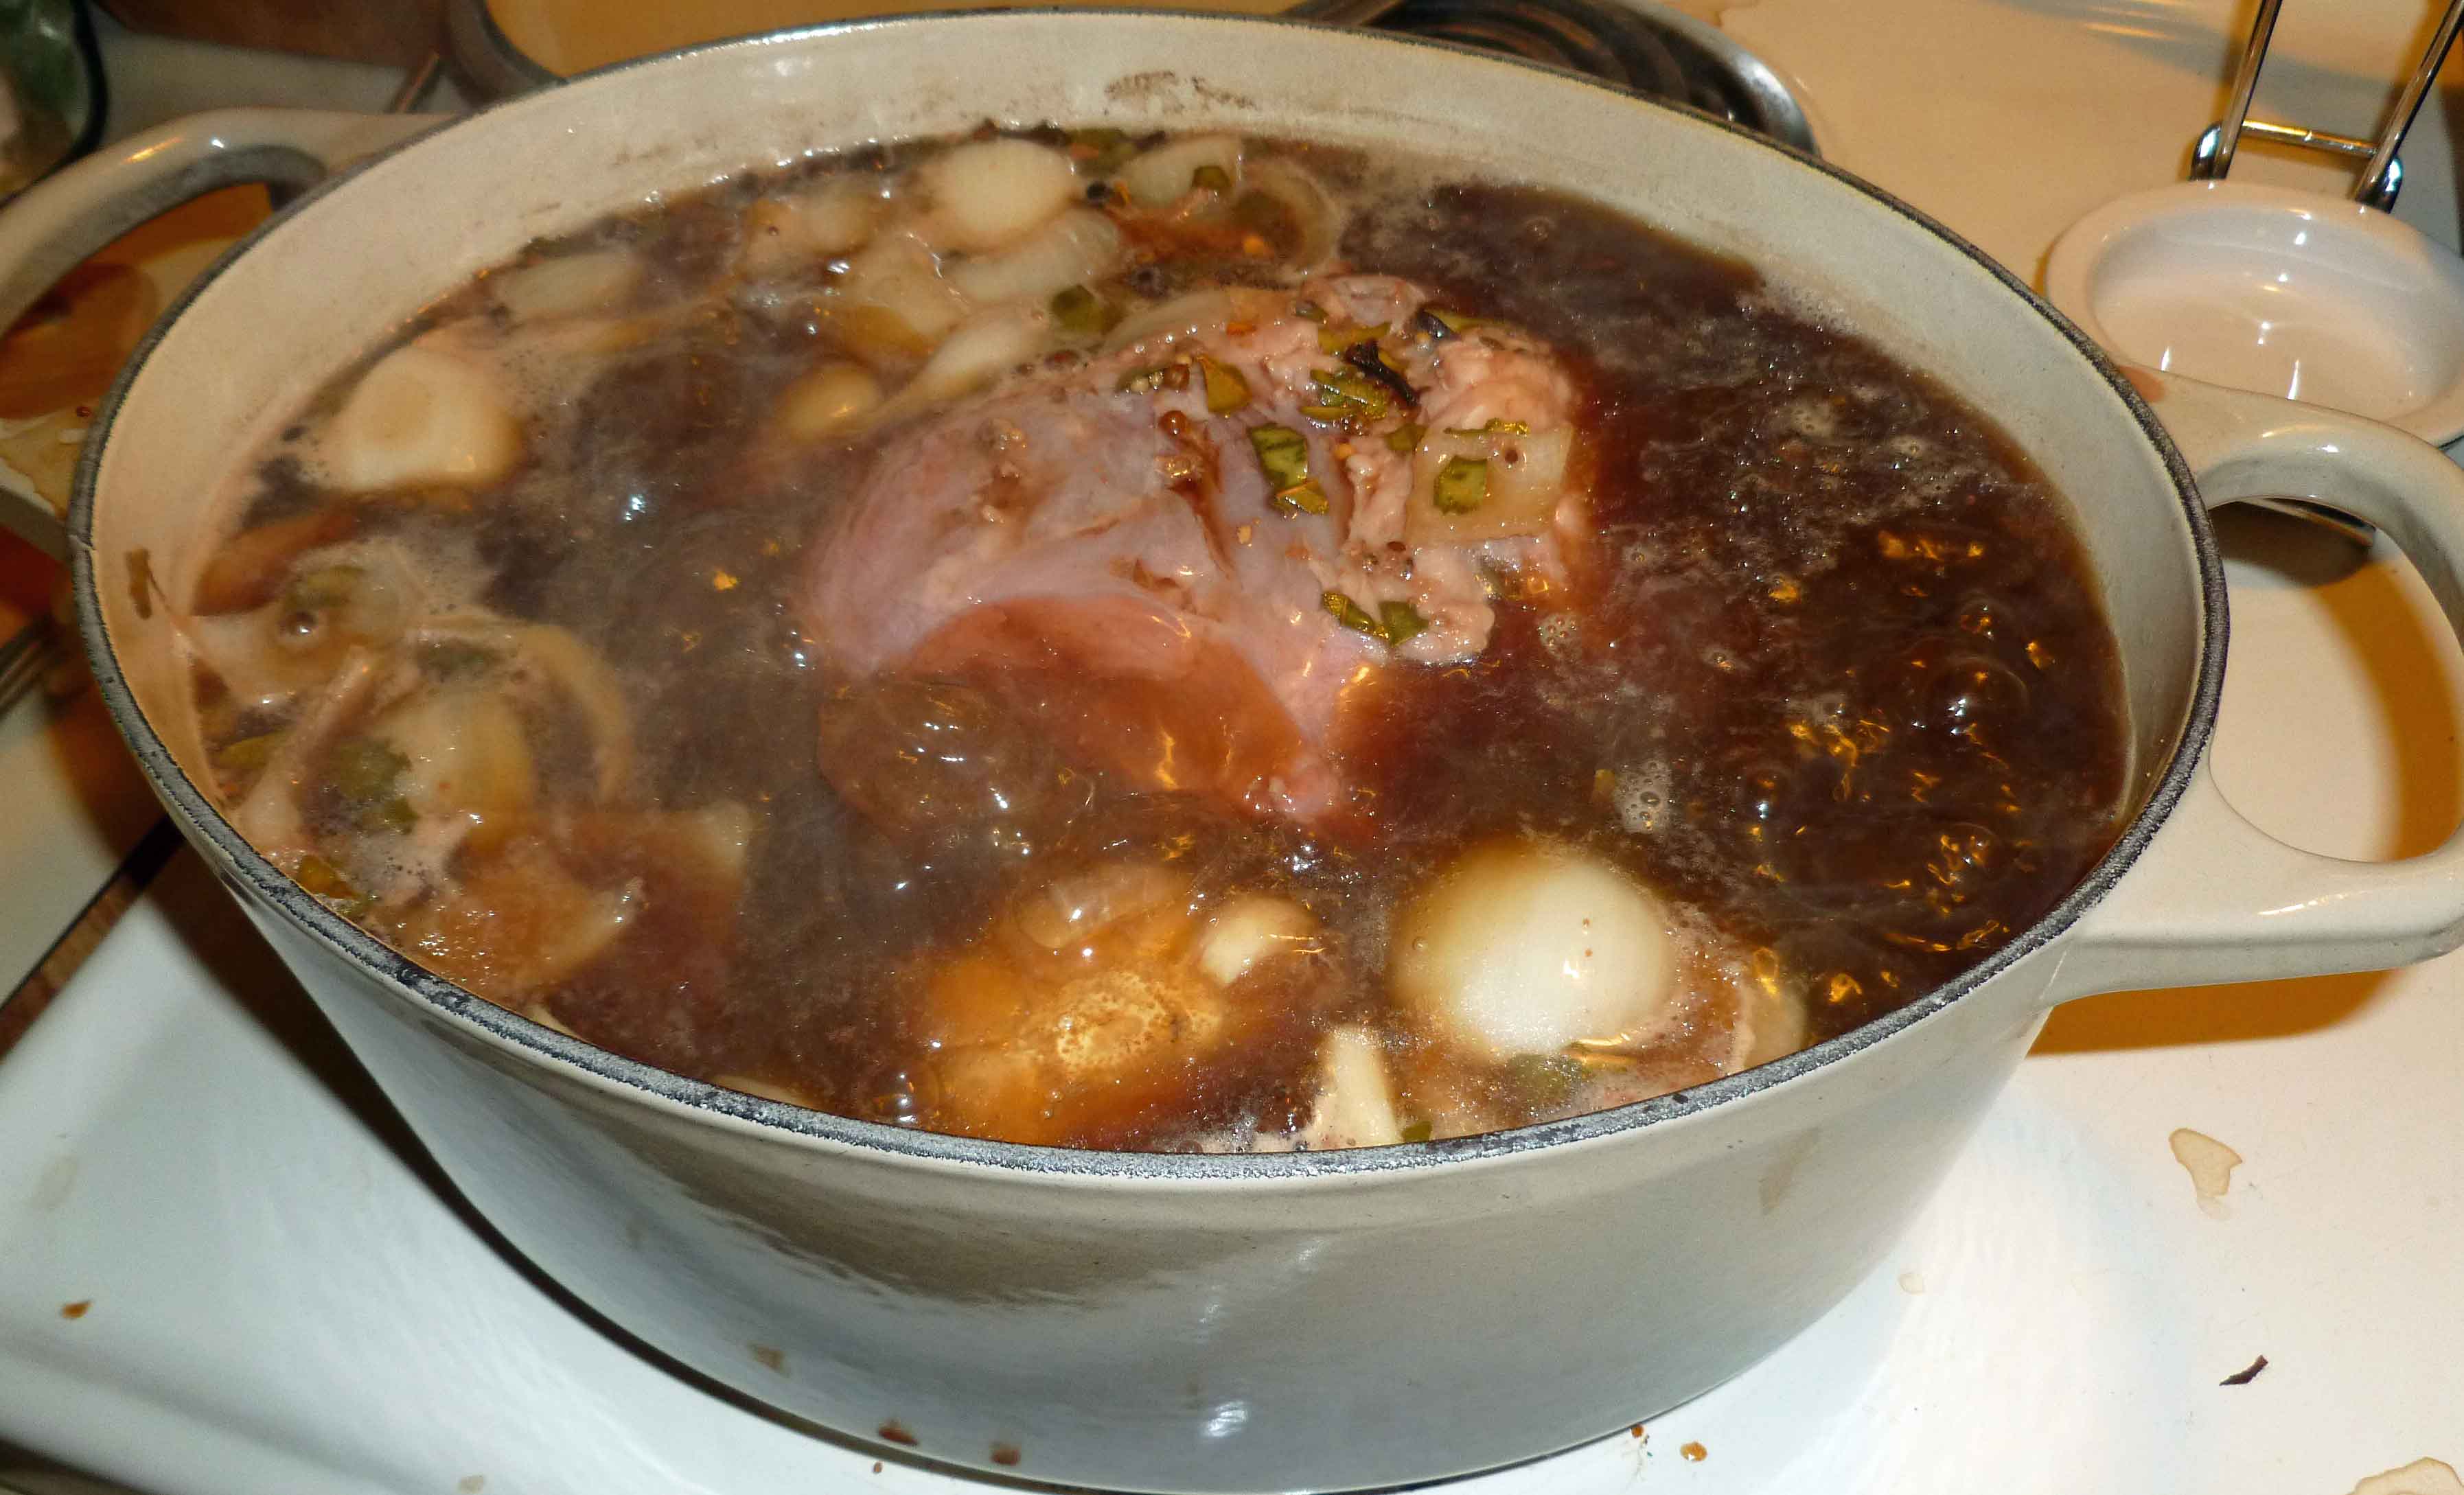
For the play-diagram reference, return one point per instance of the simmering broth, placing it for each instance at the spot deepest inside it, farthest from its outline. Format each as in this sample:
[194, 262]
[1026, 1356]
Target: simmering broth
[1176, 643]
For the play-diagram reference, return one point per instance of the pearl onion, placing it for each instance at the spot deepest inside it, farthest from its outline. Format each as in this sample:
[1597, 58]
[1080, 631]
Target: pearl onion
[1523, 947]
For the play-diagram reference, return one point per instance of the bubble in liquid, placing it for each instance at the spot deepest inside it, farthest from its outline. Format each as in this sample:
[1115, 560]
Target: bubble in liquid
[1811, 417]
[1975, 698]
[1561, 634]
[1982, 617]
[1641, 797]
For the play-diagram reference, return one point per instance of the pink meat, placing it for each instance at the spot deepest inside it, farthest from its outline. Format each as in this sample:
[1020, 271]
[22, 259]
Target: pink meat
[1114, 564]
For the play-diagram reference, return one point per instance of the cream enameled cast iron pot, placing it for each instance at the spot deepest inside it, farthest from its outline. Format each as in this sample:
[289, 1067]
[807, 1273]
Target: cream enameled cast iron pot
[1247, 1323]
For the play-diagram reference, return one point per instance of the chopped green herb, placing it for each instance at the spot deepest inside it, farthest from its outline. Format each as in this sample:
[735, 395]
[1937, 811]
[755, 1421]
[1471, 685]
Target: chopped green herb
[1543, 1082]
[1336, 338]
[1308, 311]
[1226, 391]
[363, 770]
[395, 815]
[1082, 310]
[325, 587]
[1352, 615]
[1103, 149]
[247, 754]
[1400, 623]
[1461, 485]
[1417, 1131]
[1493, 429]
[1211, 179]
[448, 659]
[1344, 393]
[1392, 622]
[1404, 437]
[318, 875]
[1283, 452]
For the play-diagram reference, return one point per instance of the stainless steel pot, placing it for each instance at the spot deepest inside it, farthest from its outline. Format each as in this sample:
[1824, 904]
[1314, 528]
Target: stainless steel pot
[1327, 1321]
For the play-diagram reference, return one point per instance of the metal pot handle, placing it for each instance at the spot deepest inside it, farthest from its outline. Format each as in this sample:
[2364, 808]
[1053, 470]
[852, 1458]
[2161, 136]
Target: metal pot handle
[2214, 899]
[47, 230]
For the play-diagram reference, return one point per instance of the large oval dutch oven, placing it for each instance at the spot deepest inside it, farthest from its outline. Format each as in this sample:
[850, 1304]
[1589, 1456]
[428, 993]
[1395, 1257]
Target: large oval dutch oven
[1177, 1323]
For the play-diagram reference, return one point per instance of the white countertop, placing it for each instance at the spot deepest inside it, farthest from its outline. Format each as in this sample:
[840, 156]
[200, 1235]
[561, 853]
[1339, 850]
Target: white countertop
[279, 1297]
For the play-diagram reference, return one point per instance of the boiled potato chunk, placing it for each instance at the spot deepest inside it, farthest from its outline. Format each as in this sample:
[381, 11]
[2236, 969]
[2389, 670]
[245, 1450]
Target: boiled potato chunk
[789, 233]
[829, 399]
[994, 192]
[423, 416]
[1525, 946]
[978, 351]
[1166, 174]
[1078, 246]
[899, 276]
[466, 758]
[1355, 1103]
[568, 285]
[1251, 929]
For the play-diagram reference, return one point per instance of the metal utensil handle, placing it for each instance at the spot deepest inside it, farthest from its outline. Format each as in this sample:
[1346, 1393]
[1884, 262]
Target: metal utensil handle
[2381, 178]
[2408, 104]
[2253, 56]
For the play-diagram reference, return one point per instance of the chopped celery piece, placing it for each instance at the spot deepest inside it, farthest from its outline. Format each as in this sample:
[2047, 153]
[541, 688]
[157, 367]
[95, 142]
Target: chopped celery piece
[1080, 311]
[247, 754]
[1352, 615]
[1226, 391]
[1400, 623]
[1336, 338]
[1343, 393]
[1283, 452]
[1543, 1082]
[1462, 485]
[363, 770]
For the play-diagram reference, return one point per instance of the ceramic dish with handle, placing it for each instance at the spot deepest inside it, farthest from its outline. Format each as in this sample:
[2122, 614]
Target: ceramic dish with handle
[1328, 1320]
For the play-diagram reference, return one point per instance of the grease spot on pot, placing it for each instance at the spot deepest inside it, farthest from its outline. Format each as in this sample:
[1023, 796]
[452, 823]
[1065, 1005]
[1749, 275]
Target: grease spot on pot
[2421, 1477]
[1141, 87]
[2211, 1165]
[895, 1432]
[771, 1357]
[1006, 1455]
[1781, 1175]
[53, 1184]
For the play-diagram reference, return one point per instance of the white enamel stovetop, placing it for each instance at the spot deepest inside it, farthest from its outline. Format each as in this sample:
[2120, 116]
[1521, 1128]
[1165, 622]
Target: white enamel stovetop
[223, 1269]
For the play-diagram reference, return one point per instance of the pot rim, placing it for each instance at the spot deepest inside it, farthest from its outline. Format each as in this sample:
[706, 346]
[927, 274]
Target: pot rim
[249, 872]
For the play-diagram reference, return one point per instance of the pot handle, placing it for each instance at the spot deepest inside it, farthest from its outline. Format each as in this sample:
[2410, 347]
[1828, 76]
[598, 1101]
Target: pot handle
[2214, 899]
[49, 229]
